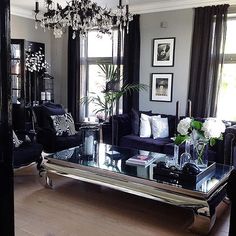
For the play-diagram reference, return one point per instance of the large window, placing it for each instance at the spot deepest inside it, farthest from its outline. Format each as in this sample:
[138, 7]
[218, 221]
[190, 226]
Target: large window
[227, 93]
[99, 50]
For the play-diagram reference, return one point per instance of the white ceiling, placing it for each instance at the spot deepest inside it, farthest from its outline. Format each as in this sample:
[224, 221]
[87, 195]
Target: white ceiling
[25, 7]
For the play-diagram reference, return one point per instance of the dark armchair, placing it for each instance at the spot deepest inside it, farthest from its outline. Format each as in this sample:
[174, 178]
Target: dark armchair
[45, 132]
[28, 152]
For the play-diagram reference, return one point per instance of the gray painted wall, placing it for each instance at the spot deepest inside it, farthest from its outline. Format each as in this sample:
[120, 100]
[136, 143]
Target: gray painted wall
[23, 28]
[180, 25]
[59, 68]
[56, 52]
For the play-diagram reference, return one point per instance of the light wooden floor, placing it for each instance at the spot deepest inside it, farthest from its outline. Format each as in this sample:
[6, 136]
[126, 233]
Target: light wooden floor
[75, 208]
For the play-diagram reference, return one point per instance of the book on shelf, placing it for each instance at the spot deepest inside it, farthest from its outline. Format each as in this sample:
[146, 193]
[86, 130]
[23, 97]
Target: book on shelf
[142, 160]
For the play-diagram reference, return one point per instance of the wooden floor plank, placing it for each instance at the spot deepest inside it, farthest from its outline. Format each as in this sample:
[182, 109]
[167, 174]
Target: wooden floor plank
[74, 208]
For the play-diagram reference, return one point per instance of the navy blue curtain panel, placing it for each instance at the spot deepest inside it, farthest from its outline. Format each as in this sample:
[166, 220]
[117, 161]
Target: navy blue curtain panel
[132, 63]
[73, 76]
[207, 58]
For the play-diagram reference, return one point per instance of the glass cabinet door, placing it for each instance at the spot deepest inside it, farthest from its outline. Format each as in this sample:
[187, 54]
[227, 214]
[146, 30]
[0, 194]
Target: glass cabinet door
[16, 72]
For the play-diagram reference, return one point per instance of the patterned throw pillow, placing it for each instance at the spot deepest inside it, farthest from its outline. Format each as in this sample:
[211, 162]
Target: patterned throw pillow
[16, 142]
[64, 125]
[71, 124]
[60, 125]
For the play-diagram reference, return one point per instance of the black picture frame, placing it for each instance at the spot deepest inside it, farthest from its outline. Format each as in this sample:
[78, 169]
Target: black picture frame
[161, 87]
[163, 52]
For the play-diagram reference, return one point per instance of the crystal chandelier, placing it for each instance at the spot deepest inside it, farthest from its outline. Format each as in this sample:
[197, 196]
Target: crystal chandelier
[82, 16]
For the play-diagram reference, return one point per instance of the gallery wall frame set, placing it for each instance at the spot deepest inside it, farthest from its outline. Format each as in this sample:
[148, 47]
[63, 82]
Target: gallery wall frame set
[161, 87]
[163, 52]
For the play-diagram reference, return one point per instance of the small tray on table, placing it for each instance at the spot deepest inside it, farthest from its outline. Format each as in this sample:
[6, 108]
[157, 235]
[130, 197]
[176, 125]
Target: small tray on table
[179, 175]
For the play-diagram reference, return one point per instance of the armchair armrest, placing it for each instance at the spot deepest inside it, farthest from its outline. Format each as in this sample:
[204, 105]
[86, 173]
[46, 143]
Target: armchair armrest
[47, 138]
[229, 144]
[122, 125]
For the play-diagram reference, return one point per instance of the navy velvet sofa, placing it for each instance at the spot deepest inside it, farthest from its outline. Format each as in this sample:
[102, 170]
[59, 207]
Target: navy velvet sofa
[126, 128]
[125, 135]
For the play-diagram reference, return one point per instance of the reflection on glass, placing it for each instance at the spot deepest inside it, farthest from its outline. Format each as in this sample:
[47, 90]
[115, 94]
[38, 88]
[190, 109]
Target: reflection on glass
[16, 82]
[116, 164]
[15, 67]
[15, 95]
[15, 50]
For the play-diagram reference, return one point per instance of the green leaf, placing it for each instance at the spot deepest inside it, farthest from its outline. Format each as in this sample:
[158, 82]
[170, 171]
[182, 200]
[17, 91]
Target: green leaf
[201, 134]
[105, 100]
[212, 142]
[196, 125]
[180, 139]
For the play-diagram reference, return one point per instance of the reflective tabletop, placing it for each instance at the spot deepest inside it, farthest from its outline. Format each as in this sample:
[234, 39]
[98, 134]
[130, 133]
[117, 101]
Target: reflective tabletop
[112, 159]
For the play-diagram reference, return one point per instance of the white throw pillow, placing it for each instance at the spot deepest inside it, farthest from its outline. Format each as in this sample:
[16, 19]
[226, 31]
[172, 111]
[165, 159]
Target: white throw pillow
[160, 127]
[145, 130]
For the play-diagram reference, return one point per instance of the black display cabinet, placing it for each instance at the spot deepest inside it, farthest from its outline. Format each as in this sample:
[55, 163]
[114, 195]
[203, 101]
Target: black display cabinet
[26, 86]
[18, 73]
[46, 86]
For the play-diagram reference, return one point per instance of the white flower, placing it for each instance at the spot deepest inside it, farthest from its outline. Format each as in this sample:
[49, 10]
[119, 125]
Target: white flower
[213, 128]
[184, 125]
[35, 61]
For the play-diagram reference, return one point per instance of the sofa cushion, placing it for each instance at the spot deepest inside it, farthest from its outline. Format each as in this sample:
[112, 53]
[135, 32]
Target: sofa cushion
[60, 125]
[171, 123]
[70, 123]
[67, 142]
[26, 154]
[63, 125]
[124, 124]
[145, 126]
[44, 112]
[160, 127]
[135, 120]
[149, 144]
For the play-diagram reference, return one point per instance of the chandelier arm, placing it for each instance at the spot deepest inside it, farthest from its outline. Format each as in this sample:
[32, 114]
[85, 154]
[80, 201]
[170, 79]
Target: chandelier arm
[82, 15]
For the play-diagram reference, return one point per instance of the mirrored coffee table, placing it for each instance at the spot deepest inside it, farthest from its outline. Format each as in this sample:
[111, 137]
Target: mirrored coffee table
[108, 168]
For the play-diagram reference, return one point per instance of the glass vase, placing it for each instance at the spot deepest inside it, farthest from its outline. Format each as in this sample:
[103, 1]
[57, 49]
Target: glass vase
[176, 155]
[187, 146]
[186, 156]
[200, 153]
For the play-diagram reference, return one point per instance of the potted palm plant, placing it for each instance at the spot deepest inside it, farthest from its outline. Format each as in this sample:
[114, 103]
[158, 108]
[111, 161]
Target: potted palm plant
[104, 102]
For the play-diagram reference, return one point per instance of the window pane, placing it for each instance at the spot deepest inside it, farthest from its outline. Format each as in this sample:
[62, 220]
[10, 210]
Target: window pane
[227, 93]
[97, 84]
[99, 47]
[230, 45]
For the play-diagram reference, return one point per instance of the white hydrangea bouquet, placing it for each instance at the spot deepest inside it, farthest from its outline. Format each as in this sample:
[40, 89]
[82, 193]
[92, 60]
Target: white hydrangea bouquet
[208, 131]
[199, 134]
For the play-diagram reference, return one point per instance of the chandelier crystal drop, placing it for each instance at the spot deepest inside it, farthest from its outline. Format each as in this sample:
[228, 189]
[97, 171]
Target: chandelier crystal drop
[82, 16]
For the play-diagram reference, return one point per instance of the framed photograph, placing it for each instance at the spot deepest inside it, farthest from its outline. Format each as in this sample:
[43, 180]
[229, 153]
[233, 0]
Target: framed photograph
[161, 87]
[163, 52]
